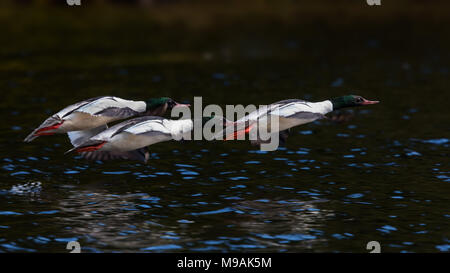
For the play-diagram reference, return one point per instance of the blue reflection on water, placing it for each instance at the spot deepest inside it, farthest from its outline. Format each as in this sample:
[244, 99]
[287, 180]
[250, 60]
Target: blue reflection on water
[161, 247]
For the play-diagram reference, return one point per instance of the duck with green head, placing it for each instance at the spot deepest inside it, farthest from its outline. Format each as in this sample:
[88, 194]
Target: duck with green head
[87, 118]
[291, 113]
[350, 101]
[95, 113]
[159, 106]
[128, 139]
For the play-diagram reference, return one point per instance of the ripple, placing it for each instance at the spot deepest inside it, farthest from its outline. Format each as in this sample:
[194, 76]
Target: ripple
[20, 173]
[443, 248]
[163, 173]
[115, 172]
[162, 247]
[26, 188]
[387, 229]
[444, 177]
[236, 178]
[245, 246]
[252, 162]
[185, 172]
[306, 132]
[224, 210]
[66, 239]
[151, 199]
[342, 236]
[355, 195]
[437, 141]
[410, 152]
[48, 212]
[10, 213]
[185, 166]
[14, 247]
[184, 221]
[309, 193]
[288, 237]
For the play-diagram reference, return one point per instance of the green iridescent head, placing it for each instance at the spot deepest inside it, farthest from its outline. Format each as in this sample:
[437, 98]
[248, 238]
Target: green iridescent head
[161, 102]
[350, 101]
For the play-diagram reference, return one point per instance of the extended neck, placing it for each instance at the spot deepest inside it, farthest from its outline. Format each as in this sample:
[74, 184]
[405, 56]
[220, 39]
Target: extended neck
[155, 109]
[323, 107]
[339, 102]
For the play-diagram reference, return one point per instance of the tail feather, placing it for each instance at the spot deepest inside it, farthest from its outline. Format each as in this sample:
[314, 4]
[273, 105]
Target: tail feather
[86, 144]
[51, 121]
[31, 136]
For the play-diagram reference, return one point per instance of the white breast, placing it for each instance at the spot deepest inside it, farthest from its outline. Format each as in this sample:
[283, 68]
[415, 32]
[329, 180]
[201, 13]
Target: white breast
[180, 128]
[323, 107]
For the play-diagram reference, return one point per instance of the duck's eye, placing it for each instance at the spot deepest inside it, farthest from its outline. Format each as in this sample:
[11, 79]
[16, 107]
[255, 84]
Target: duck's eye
[359, 99]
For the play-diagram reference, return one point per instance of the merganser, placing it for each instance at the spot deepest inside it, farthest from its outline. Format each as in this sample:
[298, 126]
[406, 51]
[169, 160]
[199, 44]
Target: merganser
[291, 113]
[135, 134]
[97, 112]
[79, 137]
[127, 139]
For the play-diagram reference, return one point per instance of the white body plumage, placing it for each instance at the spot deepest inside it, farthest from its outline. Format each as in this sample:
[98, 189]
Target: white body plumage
[91, 114]
[288, 113]
[88, 114]
[141, 132]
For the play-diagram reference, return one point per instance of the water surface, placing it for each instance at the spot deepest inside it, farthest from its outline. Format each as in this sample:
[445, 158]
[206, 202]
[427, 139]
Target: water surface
[381, 175]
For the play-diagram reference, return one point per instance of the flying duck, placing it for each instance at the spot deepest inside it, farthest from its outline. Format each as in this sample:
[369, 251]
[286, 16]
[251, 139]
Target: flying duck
[291, 113]
[128, 139]
[132, 136]
[95, 113]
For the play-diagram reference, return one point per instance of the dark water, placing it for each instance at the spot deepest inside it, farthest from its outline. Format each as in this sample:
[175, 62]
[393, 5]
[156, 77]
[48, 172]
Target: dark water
[383, 175]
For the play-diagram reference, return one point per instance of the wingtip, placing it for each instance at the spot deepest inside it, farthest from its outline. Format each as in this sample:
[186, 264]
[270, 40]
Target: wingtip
[30, 137]
[71, 150]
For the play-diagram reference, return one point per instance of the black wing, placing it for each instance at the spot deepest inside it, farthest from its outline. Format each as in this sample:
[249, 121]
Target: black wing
[80, 104]
[121, 113]
[77, 138]
[138, 155]
[129, 123]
